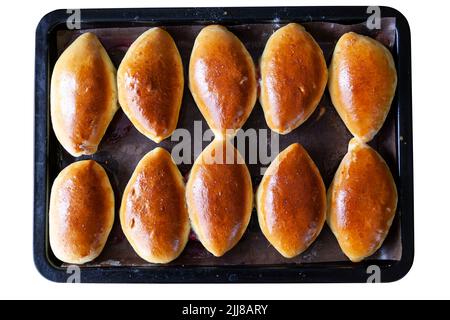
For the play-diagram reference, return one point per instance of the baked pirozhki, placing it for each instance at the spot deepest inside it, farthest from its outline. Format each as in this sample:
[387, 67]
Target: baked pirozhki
[83, 95]
[153, 213]
[293, 78]
[219, 196]
[150, 84]
[362, 201]
[291, 202]
[362, 84]
[222, 80]
[81, 212]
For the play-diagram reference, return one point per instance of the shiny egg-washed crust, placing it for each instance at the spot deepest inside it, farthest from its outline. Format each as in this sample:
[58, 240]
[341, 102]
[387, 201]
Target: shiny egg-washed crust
[83, 95]
[291, 202]
[362, 201]
[219, 197]
[362, 83]
[294, 75]
[81, 212]
[150, 84]
[153, 213]
[222, 80]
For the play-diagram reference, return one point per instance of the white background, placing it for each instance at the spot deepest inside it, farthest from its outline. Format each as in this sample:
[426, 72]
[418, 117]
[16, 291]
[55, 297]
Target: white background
[429, 277]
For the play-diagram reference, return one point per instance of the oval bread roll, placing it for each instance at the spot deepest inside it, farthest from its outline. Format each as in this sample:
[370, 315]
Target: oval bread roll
[150, 83]
[291, 202]
[81, 212]
[362, 84]
[222, 80]
[293, 78]
[153, 214]
[362, 200]
[83, 96]
[219, 196]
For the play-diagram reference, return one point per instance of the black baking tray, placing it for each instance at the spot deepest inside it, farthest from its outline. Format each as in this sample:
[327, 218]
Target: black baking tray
[342, 271]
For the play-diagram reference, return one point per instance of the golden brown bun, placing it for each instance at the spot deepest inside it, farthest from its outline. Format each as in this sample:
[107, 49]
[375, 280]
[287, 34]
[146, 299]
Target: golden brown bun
[291, 202]
[362, 84]
[81, 212]
[153, 214]
[222, 80]
[219, 196]
[362, 201]
[83, 95]
[293, 78]
[150, 83]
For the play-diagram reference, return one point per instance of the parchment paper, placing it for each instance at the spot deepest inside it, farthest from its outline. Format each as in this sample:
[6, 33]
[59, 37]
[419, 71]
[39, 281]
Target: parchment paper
[324, 136]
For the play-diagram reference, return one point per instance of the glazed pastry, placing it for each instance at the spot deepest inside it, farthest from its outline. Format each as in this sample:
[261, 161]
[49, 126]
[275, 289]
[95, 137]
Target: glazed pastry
[81, 212]
[83, 96]
[362, 84]
[362, 201]
[153, 213]
[219, 196]
[150, 83]
[222, 80]
[291, 202]
[293, 78]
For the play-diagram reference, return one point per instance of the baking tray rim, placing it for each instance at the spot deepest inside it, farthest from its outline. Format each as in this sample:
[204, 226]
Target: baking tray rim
[287, 273]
